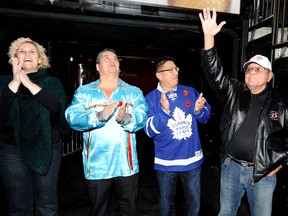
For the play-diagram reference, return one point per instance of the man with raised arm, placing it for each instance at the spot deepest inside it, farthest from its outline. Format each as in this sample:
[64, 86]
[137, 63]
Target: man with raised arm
[253, 127]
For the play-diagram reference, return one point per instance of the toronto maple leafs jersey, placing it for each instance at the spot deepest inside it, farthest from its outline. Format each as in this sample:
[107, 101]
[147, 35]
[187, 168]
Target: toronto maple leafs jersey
[175, 134]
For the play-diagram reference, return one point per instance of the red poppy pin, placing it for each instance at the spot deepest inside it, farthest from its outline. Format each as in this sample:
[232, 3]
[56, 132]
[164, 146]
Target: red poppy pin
[187, 104]
[185, 92]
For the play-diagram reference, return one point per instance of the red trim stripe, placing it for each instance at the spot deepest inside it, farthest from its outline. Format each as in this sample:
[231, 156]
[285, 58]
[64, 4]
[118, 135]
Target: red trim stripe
[93, 106]
[130, 151]
[100, 117]
[88, 146]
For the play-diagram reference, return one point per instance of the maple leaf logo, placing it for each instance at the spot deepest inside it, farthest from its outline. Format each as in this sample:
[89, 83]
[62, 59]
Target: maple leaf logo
[180, 125]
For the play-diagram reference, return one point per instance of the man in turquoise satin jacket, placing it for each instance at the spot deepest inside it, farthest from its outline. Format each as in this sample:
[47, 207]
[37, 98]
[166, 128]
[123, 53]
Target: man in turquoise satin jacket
[109, 111]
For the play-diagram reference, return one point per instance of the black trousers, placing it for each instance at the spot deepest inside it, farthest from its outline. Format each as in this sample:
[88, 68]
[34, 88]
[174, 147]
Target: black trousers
[126, 189]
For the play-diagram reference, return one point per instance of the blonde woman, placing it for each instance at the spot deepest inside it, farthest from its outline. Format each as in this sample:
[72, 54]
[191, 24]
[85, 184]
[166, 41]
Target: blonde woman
[32, 108]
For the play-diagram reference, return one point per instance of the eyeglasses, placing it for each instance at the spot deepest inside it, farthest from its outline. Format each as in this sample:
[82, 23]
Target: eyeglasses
[170, 70]
[258, 70]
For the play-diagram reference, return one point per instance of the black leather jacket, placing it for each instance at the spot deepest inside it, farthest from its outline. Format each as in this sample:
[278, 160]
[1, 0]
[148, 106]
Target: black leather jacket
[271, 148]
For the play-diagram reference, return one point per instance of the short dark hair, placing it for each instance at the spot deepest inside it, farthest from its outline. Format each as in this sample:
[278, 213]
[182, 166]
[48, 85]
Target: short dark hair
[160, 61]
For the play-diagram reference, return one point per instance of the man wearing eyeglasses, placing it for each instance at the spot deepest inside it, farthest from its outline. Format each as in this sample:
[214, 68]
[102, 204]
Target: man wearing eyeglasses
[253, 128]
[174, 111]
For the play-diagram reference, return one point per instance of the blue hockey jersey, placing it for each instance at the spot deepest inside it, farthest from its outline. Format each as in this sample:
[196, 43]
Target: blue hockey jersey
[175, 134]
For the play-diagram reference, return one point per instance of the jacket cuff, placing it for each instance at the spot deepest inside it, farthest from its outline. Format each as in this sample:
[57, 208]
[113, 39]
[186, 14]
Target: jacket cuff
[101, 117]
[209, 52]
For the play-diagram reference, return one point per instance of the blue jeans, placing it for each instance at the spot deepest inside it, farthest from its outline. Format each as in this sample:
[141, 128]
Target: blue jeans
[235, 181]
[167, 184]
[23, 186]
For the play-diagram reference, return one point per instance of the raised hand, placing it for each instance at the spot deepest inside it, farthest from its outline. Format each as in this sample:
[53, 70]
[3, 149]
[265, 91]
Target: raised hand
[17, 67]
[200, 103]
[164, 102]
[16, 81]
[209, 24]
[121, 116]
[109, 109]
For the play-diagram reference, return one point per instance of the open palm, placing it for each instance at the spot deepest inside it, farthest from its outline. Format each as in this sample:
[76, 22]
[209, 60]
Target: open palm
[209, 24]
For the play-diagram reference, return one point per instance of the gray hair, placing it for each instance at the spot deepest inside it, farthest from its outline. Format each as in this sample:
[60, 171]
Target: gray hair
[101, 52]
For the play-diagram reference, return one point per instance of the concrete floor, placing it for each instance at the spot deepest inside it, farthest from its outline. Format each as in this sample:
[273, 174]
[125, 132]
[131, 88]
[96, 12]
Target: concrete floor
[73, 197]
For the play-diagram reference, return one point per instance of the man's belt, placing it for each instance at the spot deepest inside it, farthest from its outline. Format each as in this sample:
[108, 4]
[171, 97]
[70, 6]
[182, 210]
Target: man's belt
[242, 163]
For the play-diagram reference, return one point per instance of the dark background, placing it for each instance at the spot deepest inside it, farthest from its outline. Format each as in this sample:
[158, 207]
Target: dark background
[74, 33]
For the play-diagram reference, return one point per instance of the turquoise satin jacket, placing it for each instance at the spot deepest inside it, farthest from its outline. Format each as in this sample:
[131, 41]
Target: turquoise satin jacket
[109, 147]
